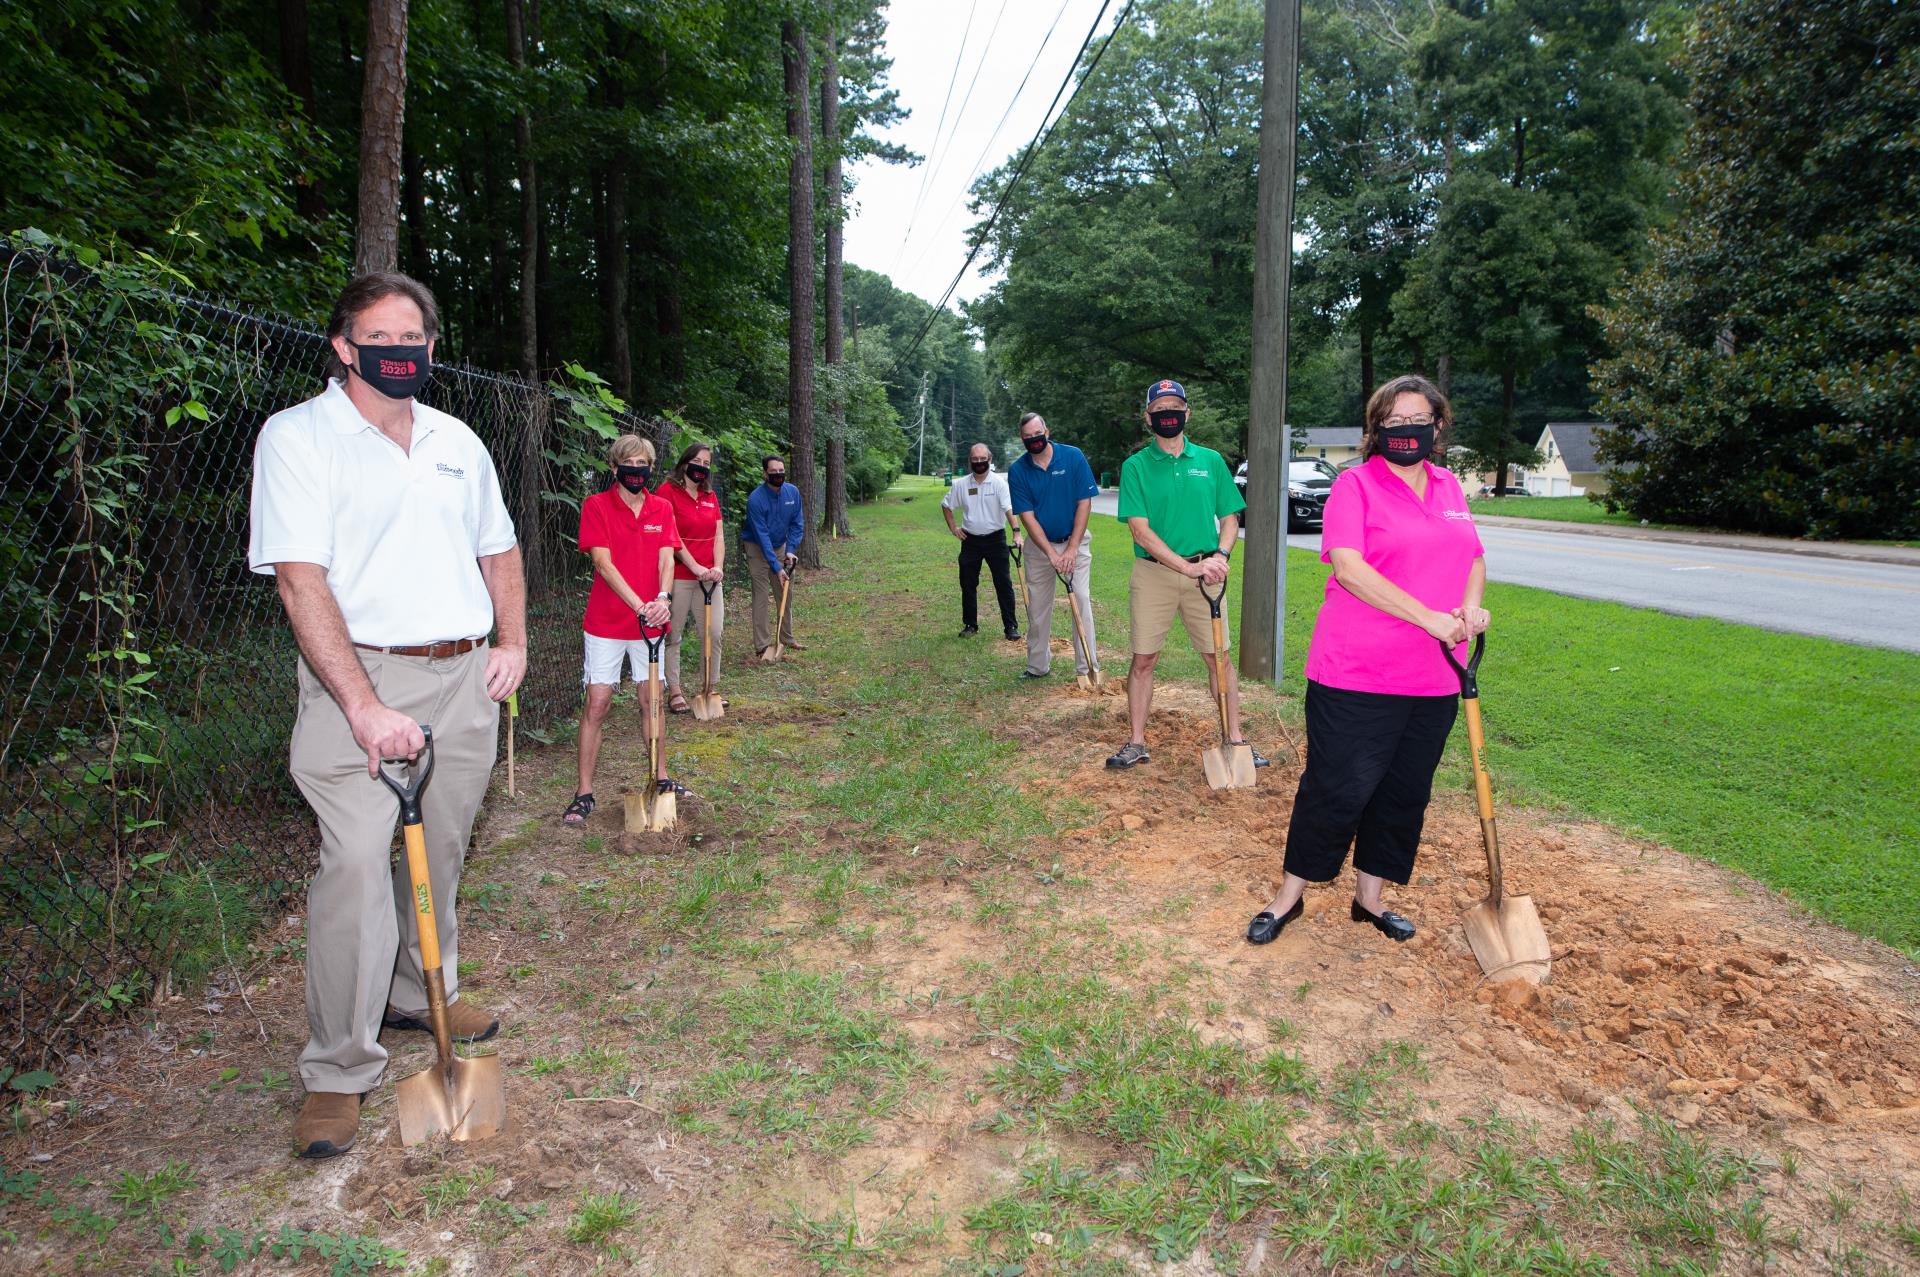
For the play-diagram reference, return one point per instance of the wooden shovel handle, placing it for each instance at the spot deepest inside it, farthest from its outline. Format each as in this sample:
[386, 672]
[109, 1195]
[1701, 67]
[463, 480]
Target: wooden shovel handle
[1483, 797]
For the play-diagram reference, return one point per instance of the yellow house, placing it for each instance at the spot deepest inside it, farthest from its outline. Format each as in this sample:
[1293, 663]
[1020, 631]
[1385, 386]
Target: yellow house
[1570, 469]
[1335, 445]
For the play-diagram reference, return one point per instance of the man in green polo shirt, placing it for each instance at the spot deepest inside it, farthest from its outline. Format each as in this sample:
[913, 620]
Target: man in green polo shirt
[1181, 504]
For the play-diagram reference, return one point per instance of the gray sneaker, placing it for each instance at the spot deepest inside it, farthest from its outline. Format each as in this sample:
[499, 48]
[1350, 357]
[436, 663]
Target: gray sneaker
[1129, 755]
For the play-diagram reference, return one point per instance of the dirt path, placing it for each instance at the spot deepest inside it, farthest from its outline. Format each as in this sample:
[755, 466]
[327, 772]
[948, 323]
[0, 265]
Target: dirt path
[787, 1041]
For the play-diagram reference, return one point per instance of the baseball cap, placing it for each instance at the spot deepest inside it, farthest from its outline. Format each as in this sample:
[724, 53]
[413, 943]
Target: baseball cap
[1159, 388]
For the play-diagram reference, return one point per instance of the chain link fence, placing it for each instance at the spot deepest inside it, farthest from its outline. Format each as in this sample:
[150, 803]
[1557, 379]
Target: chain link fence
[147, 821]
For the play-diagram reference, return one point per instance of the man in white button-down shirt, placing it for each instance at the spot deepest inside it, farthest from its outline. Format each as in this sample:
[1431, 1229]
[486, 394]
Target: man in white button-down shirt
[986, 513]
[381, 521]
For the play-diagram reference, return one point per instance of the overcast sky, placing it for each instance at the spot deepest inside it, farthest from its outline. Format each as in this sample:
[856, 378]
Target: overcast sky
[993, 43]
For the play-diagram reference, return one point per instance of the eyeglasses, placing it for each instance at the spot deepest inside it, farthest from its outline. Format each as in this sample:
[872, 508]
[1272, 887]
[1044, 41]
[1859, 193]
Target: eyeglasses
[1409, 421]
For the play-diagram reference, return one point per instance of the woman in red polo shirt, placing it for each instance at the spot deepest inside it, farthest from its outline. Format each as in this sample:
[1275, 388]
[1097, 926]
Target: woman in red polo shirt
[630, 534]
[701, 561]
[1408, 568]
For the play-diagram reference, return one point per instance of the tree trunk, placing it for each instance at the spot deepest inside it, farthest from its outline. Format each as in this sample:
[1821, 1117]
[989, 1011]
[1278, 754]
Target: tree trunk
[413, 168]
[793, 55]
[1443, 374]
[1519, 151]
[533, 440]
[296, 68]
[1506, 422]
[617, 341]
[383, 108]
[833, 522]
[1366, 363]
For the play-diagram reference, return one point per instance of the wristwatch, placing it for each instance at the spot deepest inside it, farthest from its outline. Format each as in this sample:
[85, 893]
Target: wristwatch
[1225, 554]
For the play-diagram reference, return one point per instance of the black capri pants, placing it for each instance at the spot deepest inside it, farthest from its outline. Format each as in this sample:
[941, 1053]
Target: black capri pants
[1370, 763]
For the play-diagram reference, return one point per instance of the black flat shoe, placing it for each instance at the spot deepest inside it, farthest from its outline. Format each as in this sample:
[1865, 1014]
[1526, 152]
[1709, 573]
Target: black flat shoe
[1265, 928]
[1390, 924]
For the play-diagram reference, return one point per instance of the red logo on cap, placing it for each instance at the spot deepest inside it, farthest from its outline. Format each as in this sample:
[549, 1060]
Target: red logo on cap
[1165, 385]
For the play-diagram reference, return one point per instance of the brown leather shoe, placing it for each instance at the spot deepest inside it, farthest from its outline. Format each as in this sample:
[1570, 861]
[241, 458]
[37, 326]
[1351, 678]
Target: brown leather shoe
[465, 1021]
[327, 1124]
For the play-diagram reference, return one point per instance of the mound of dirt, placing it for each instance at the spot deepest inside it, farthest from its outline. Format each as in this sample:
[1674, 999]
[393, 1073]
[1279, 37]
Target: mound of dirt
[1676, 984]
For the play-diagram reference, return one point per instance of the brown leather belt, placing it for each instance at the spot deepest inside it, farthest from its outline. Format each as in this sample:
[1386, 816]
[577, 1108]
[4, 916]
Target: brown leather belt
[436, 651]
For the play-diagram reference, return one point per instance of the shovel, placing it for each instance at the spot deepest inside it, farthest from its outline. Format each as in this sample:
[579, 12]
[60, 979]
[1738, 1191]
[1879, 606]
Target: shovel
[463, 1099]
[778, 649]
[1093, 680]
[1020, 566]
[1504, 931]
[1229, 766]
[706, 703]
[513, 712]
[651, 811]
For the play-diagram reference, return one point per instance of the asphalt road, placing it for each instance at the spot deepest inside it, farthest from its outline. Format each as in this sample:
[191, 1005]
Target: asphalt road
[1872, 603]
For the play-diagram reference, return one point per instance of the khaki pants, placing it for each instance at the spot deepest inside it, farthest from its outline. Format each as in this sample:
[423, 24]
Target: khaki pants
[1041, 580]
[1156, 595]
[363, 949]
[689, 622]
[766, 598]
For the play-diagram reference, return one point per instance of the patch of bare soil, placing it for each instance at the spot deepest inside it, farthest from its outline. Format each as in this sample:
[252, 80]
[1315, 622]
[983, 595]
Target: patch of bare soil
[1676, 985]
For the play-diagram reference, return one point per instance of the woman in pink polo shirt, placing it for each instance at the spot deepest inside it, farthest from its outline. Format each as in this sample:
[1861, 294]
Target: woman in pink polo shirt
[1408, 568]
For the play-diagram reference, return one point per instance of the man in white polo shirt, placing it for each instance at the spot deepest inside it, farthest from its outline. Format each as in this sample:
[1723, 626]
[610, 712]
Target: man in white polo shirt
[380, 520]
[986, 512]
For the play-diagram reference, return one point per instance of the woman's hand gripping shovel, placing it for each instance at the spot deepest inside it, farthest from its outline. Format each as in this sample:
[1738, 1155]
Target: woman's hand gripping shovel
[652, 810]
[461, 1098]
[1093, 680]
[1504, 931]
[1228, 766]
[706, 703]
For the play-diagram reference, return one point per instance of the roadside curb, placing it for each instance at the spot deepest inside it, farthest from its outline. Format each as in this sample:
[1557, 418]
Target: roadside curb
[1899, 556]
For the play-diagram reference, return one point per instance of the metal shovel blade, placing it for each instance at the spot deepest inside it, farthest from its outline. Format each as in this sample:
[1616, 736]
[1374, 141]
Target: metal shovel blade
[707, 706]
[1229, 766]
[666, 812]
[463, 1099]
[637, 819]
[1508, 941]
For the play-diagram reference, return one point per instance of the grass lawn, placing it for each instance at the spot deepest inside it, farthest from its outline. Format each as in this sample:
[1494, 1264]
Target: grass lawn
[1789, 758]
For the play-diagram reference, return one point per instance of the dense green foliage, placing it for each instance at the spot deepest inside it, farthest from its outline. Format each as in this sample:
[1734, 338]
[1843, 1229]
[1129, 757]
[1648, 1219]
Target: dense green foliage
[223, 138]
[1472, 177]
[1768, 357]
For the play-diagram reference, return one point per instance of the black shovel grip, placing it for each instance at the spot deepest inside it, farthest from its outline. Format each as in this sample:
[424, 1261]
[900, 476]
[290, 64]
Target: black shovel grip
[653, 641]
[706, 590]
[1470, 672]
[418, 774]
[1213, 600]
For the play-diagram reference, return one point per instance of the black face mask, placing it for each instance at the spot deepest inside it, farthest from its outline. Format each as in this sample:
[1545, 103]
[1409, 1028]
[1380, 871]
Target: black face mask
[1406, 445]
[698, 473]
[1168, 425]
[634, 478]
[775, 480]
[979, 467]
[398, 372]
[1037, 444]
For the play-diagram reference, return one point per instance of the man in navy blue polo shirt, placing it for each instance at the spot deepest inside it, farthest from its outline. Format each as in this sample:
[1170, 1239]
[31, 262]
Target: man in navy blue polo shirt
[1053, 489]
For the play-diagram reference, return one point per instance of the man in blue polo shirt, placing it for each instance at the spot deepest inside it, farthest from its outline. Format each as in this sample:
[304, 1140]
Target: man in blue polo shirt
[1053, 489]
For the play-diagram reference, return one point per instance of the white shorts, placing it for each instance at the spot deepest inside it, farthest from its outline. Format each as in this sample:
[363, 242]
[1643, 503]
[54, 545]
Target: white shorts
[605, 656]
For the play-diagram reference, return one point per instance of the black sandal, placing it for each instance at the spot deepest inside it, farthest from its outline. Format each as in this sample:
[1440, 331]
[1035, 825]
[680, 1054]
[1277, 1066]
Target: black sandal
[578, 810]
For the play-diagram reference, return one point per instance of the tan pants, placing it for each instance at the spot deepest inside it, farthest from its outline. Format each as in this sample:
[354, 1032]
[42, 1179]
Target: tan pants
[689, 622]
[766, 598]
[1157, 594]
[1041, 580]
[363, 950]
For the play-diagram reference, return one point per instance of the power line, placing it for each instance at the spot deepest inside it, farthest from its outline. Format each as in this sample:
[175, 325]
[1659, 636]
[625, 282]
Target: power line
[1033, 148]
[935, 161]
[980, 160]
[952, 80]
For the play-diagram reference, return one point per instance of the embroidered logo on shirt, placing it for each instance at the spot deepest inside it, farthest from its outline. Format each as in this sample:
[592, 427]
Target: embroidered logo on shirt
[1200, 472]
[1456, 514]
[653, 527]
[452, 472]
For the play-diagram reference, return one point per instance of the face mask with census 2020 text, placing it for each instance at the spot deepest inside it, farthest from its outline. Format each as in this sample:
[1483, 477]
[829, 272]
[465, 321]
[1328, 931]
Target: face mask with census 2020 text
[634, 478]
[1406, 445]
[698, 474]
[1168, 425]
[398, 372]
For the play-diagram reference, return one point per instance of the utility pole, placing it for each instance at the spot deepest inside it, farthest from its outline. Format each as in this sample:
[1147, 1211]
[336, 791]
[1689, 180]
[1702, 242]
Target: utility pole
[920, 466]
[1263, 594]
